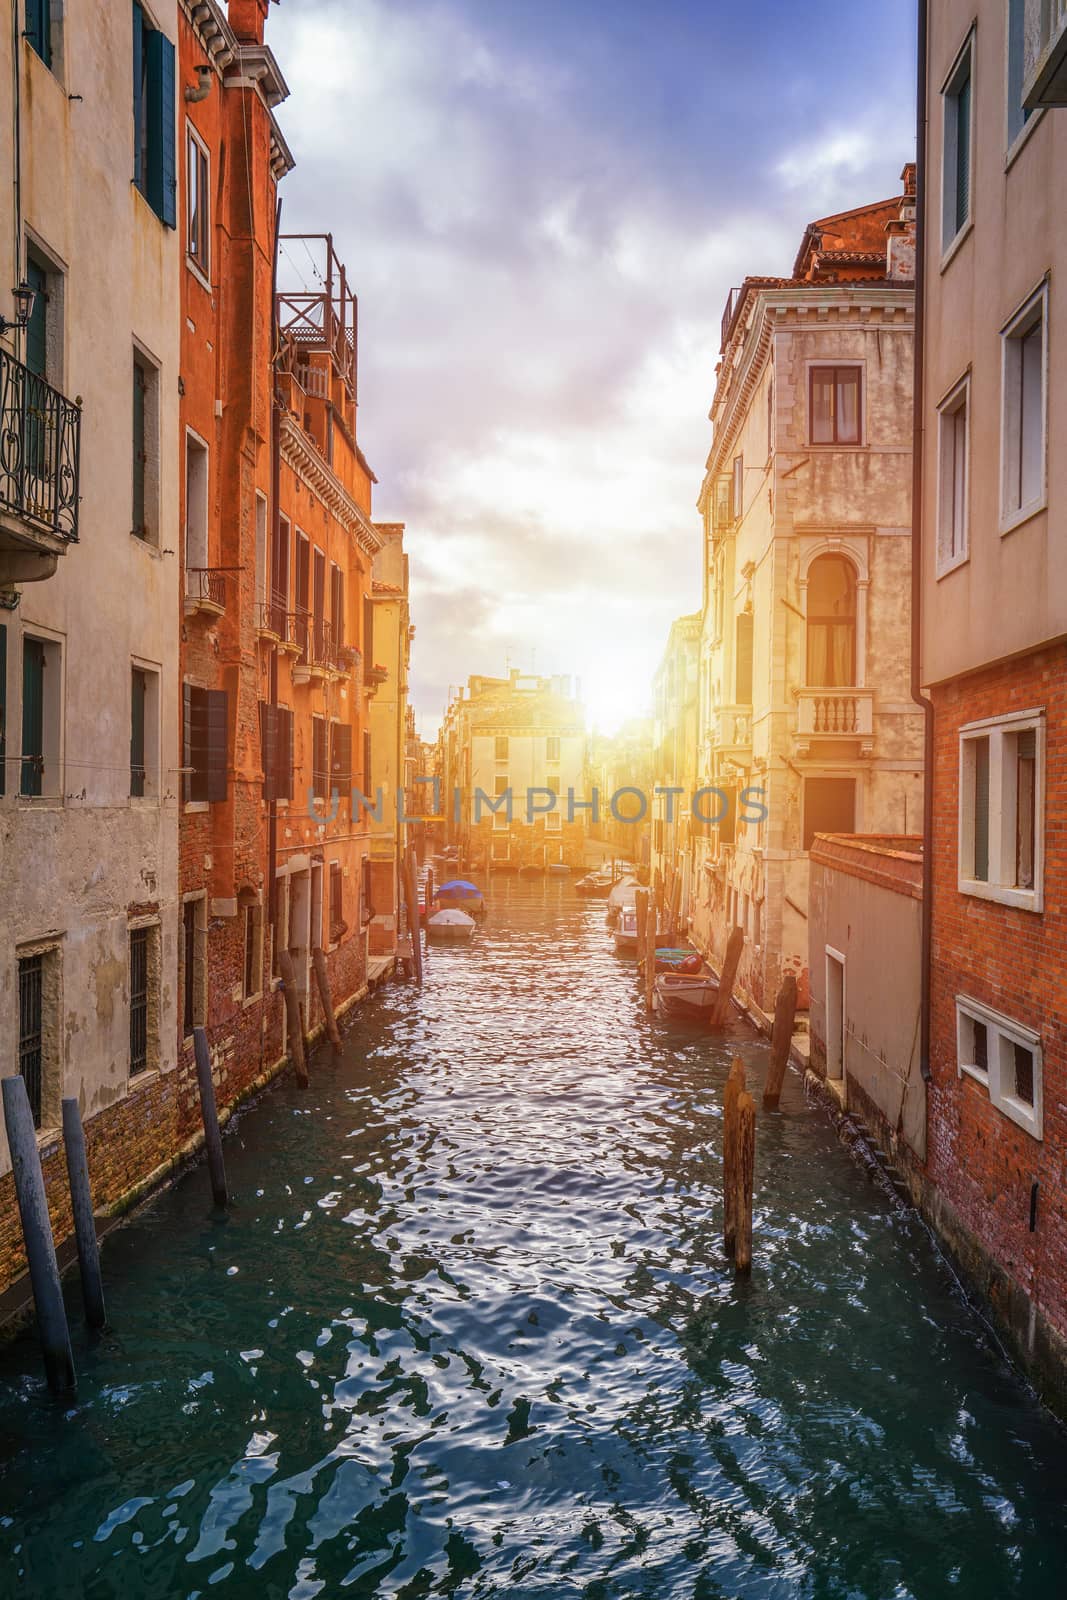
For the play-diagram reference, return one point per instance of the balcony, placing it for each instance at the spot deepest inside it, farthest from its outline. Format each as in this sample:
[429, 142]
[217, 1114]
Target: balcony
[40, 439]
[374, 677]
[834, 716]
[733, 300]
[731, 732]
[205, 591]
[1044, 53]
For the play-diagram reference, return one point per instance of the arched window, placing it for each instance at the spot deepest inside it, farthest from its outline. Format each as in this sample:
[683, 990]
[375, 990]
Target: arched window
[831, 623]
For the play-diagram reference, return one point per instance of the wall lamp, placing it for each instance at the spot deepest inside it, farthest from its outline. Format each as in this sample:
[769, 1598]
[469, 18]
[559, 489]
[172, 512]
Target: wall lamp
[24, 297]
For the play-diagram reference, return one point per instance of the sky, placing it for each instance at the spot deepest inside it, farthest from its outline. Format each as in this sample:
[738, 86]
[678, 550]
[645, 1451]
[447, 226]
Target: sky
[542, 207]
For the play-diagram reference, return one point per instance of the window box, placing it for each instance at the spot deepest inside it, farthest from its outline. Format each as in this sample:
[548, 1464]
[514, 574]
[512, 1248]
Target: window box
[1005, 1058]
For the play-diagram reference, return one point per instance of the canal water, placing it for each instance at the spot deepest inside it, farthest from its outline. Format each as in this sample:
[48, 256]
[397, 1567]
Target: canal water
[467, 1331]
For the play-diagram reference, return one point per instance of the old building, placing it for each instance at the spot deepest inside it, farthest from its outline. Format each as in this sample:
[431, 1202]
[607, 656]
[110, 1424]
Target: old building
[513, 762]
[993, 659]
[620, 762]
[89, 780]
[806, 721]
[676, 699]
[386, 671]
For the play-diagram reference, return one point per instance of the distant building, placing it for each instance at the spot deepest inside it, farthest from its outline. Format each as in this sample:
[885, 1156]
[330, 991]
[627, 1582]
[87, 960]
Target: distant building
[389, 644]
[676, 699]
[806, 721]
[617, 763]
[513, 759]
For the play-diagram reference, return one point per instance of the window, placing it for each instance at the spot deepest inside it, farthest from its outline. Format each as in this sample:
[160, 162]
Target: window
[829, 807]
[3, 709]
[279, 579]
[553, 822]
[953, 437]
[366, 902]
[253, 948]
[321, 630]
[154, 164]
[501, 850]
[41, 717]
[341, 757]
[743, 659]
[834, 409]
[196, 508]
[281, 922]
[724, 806]
[1024, 350]
[205, 743]
[194, 964]
[501, 747]
[831, 623]
[139, 948]
[1005, 1058]
[500, 784]
[39, 28]
[337, 606]
[303, 594]
[552, 747]
[368, 632]
[338, 926]
[320, 758]
[1018, 115]
[1001, 820]
[956, 98]
[198, 217]
[138, 698]
[368, 770]
[145, 449]
[31, 1030]
[276, 745]
[737, 490]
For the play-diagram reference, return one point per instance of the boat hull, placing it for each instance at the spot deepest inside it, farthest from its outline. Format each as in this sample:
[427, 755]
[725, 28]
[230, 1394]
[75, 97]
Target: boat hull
[683, 996]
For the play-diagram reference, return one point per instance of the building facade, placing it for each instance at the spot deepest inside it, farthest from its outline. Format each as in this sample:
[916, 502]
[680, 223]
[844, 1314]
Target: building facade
[387, 672]
[90, 786]
[993, 657]
[676, 704]
[806, 720]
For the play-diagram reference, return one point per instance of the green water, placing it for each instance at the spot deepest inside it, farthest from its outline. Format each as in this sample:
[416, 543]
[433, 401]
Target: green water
[467, 1331]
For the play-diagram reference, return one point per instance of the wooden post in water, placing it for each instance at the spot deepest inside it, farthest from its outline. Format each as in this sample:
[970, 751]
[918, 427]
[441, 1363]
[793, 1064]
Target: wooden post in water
[294, 1030]
[81, 1201]
[412, 894]
[735, 1088]
[212, 1137]
[744, 1174]
[641, 899]
[676, 904]
[731, 962]
[651, 925]
[657, 895]
[785, 1009]
[37, 1234]
[322, 980]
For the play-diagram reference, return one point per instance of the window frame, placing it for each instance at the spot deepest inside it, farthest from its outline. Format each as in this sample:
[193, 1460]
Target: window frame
[498, 740]
[53, 718]
[1019, 324]
[963, 61]
[1002, 826]
[845, 365]
[957, 399]
[1001, 1033]
[150, 740]
[150, 928]
[193, 977]
[198, 263]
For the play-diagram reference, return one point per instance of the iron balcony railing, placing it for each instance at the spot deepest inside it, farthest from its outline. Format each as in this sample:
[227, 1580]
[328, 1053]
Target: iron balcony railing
[40, 438]
[206, 583]
[733, 299]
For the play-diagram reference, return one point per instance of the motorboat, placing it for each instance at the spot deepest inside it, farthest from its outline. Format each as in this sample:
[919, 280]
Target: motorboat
[623, 894]
[686, 994]
[677, 958]
[451, 927]
[595, 885]
[626, 931]
[531, 870]
[460, 894]
[558, 869]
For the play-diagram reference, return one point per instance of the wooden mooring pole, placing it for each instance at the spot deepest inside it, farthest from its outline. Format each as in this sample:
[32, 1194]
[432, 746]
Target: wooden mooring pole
[785, 1010]
[641, 898]
[744, 1174]
[81, 1201]
[651, 930]
[294, 1028]
[322, 980]
[734, 1089]
[412, 896]
[212, 1136]
[37, 1234]
[728, 977]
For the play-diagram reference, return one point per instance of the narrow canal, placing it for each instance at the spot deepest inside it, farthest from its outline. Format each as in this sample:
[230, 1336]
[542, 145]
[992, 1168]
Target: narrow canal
[467, 1332]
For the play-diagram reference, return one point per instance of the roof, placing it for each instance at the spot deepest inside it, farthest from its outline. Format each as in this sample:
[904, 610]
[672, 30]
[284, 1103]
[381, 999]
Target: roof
[859, 230]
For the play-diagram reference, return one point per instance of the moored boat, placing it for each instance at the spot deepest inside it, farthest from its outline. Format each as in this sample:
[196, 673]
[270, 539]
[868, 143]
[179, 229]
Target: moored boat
[686, 994]
[626, 931]
[452, 927]
[460, 894]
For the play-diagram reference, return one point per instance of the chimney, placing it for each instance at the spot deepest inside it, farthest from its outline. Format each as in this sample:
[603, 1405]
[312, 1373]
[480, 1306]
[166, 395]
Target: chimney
[247, 19]
[900, 247]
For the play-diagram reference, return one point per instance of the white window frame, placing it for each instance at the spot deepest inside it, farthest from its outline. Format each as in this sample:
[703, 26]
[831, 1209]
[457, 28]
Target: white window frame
[957, 399]
[496, 855]
[1002, 819]
[553, 822]
[199, 269]
[1033, 308]
[1002, 1034]
[963, 64]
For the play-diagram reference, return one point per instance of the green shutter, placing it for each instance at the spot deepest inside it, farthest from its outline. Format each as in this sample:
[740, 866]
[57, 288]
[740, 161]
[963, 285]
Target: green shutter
[37, 327]
[138, 98]
[963, 153]
[3, 709]
[138, 442]
[160, 178]
[137, 701]
[32, 716]
[981, 810]
[39, 28]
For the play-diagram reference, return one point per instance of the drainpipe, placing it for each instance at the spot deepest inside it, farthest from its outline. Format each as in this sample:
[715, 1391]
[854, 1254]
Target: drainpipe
[16, 140]
[918, 436]
[276, 522]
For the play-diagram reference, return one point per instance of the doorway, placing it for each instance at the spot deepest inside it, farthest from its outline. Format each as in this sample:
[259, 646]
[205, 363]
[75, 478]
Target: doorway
[835, 1014]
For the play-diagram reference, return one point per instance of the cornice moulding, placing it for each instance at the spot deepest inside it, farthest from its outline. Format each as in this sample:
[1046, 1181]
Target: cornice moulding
[305, 460]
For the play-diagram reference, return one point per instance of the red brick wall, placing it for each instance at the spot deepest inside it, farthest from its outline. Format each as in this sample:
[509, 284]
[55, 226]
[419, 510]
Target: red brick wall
[1015, 962]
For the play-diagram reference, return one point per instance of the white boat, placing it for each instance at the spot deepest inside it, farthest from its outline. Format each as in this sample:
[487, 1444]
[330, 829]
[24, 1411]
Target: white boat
[453, 926]
[623, 895]
[686, 994]
[626, 931]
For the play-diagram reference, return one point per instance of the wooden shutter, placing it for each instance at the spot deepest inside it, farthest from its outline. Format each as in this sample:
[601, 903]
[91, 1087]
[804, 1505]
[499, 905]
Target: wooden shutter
[39, 28]
[3, 709]
[981, 810]
[336, 899]
[32, 716]
[368, 632]
[320, 761]
[187, 740]
[217, 731]
[963, 152]
[137, 702]
[341, 756]
[319, 601]
[367, 765]
[743, 659]
[37, 327]
[139, 462]
[138, 97]
[161, 189]
[268, 746]
[284, 769]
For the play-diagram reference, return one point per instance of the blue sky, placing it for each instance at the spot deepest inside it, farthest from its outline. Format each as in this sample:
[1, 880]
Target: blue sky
[542, 207]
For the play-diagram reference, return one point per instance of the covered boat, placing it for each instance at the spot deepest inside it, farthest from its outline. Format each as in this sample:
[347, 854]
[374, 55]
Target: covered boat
[453, 926]
[626, 931]
[623, 895]
[686, 994]
[595, 885]
[461, 894]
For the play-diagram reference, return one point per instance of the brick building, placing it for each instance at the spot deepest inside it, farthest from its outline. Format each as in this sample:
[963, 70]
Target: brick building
[994, 656]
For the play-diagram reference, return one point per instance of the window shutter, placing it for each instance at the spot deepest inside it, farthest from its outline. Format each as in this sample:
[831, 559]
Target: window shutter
[32, 715]
[137, 766]
[284, 773]
[39, 28]
[187, 740]
[366, 764]
[3, 709]
[37, 327]
[320, 776]
[743, 659]
[216, 726]
[268, 745]
[161, 186]
[368, 632]
[341, 758]
[981, 810]
[963, 153]
[138, 97]
[139, 388]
